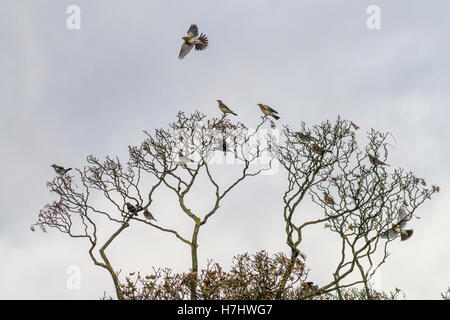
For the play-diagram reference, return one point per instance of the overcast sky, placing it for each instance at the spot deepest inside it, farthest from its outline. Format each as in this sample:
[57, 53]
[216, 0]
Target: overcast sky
[65, 94]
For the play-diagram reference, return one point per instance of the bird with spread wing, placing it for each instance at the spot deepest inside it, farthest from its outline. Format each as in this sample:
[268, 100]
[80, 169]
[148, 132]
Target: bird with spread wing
[193, 40]
[399, 228]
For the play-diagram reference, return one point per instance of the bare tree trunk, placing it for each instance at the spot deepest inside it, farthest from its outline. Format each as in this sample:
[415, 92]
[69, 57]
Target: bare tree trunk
[194, 257]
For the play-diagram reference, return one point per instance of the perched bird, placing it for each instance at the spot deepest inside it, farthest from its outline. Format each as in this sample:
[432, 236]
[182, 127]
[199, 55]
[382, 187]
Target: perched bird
[148, 215]
[184, 159]
[60, 170]
[304, 137]
[375, 161]
[351, 227]
[318, 150]
[131, 208]
[192, 39]
[354, 125]
[328, 199]
[268, 111]
[398, 229]
[224, 108]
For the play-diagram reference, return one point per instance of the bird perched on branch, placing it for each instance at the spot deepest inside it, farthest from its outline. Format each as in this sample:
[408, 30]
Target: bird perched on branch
[60, 170]
[354, 125]
[225, 109]
[304, 137]
[268, 111]
[328, 199]
[318, 150]
[131, 208]
[192, 39]
[148, 215]
[399, 228]
[376, 162]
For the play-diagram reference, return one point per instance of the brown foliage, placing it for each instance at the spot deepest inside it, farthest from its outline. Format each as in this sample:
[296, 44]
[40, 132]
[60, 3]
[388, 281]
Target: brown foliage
[251, 277]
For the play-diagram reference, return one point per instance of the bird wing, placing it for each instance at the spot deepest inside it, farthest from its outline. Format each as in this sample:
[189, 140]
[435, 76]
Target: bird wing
[193, 31]
[225, 107]
[390, 234]
[203, 44]
[406, 234]
[272, 110]
[402, 217]
[185, 48]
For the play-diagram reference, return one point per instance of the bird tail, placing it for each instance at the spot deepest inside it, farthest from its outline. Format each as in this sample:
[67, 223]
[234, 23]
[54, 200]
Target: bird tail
[232, 112]
[202, 46]
[275, 117]
[68, 169]
[406, 234]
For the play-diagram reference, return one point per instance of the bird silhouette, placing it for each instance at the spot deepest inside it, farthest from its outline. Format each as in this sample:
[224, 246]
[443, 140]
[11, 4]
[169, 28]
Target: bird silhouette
[225, 109]
[131, 208]
[192, 39]
[268, 111]
[60, 170]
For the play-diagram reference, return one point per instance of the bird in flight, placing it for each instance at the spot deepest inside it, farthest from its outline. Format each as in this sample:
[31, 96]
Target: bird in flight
[192, 39]
[399, 228]
[375, 161]
[268, 111]
[60, 170]
[225, 109]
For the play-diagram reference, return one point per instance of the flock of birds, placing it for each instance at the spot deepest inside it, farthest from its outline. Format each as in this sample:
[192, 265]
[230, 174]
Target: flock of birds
[200, 43]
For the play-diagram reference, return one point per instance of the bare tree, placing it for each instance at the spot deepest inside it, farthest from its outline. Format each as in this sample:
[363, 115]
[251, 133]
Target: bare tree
[363, 199]
[359, 196]
[173, 158]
